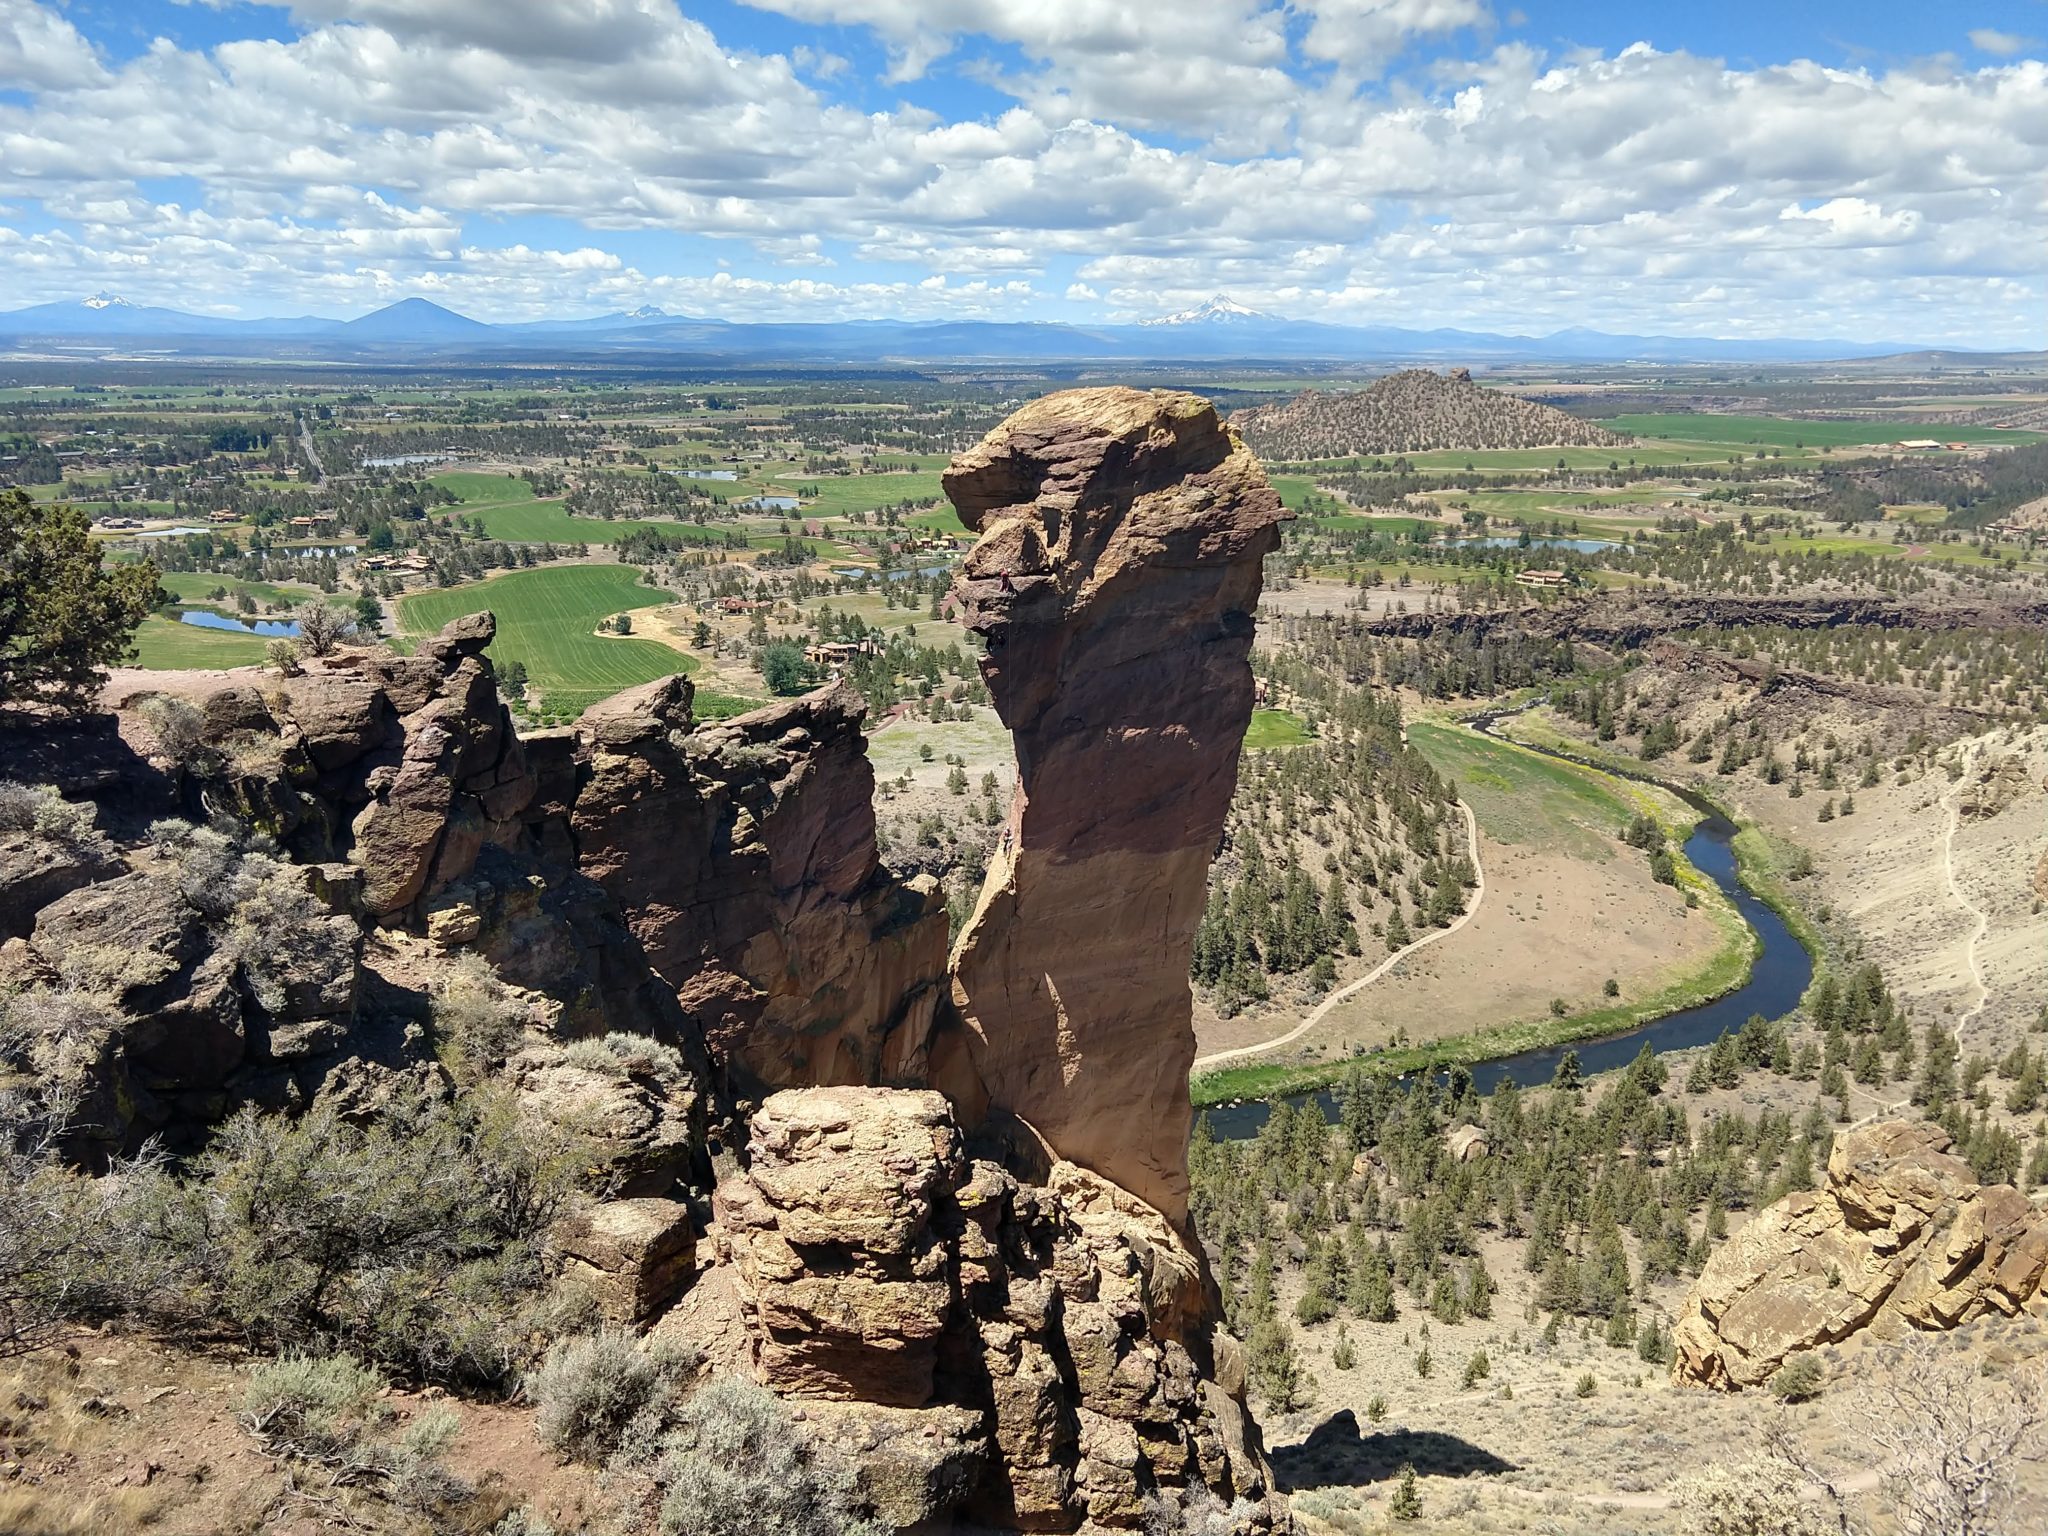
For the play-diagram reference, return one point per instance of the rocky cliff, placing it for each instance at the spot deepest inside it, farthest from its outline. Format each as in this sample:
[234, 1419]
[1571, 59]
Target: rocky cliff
[1122, 540]
[1900, 1236]
[947, 1212]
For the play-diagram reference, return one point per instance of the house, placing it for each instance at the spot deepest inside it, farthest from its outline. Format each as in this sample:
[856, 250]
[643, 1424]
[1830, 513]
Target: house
[1958, 447]
[1543, 578]
[738, 605]
[223, 516]
[1918, 444]
[837, 653]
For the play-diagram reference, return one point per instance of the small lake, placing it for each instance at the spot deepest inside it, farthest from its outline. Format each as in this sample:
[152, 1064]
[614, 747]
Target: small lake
[169, 533]
[312, 551]
[206, 618]
[400, 460]
[1782, 973]
[1513, 541]
[770, 503]
[852, 573]
[704, 474]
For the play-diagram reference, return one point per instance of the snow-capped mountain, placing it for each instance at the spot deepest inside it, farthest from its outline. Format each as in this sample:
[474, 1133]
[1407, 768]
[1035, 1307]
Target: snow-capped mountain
[1221, 310]
[104, 300]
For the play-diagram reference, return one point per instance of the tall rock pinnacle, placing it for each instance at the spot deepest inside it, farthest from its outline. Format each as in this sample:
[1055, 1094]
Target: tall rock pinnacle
[1122, 539]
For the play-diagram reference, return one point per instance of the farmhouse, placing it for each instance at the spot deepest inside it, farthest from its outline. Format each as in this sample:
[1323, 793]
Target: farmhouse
[1543, 578]
[837, 653]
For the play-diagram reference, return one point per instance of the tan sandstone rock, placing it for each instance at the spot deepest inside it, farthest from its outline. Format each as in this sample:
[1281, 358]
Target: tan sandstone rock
[1900, 1235]
[1122, 535]
[1041, 1354]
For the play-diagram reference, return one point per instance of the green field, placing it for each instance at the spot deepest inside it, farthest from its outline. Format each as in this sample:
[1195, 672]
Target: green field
[547, 620]
[164, 645]
[1272, 728]
[1360, 522]
[193, 588]
[1521, 797]
[839, 494]
[1781, 432]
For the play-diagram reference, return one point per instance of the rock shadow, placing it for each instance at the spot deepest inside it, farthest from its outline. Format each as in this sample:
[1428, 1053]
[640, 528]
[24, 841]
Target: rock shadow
[1337, 1455]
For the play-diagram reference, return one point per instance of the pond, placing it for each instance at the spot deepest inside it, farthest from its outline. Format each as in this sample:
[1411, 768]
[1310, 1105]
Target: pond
[704, 474]
[206, 618]
[1513, 541]
[399, 460]
[854, 573]
[1779, 978]
[170, 533]
[770, 503]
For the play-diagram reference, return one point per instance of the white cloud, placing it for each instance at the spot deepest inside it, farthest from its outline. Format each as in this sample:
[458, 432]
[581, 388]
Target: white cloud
[40, 50]
[2003, 44]
[374, 153]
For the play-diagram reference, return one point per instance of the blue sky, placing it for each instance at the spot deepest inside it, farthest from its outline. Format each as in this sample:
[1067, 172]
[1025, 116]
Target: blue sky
[1867, 171]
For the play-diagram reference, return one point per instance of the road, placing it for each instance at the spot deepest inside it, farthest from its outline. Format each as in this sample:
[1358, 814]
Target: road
[312, 453]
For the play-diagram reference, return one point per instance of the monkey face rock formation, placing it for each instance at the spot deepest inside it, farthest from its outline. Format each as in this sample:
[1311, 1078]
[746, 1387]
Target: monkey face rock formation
[1122, 540]
[1900, 1235]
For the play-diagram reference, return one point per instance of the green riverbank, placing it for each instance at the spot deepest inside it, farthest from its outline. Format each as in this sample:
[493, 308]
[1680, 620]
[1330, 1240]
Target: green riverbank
[1758, 867]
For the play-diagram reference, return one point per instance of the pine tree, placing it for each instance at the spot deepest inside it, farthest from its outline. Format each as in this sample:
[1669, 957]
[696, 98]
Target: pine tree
[1406, 1503]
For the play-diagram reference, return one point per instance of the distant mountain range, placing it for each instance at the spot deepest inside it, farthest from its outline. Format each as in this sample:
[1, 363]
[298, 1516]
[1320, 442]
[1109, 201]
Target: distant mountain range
[1217, 330]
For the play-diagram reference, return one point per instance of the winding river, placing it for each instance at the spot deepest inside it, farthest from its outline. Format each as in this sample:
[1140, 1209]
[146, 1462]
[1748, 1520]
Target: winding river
[1779, 978]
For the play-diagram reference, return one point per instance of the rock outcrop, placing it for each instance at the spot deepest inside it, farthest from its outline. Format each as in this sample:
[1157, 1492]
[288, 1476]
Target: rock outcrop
[799, 956]
[1030, 1344]
[1123, 535]
[1901, 1235]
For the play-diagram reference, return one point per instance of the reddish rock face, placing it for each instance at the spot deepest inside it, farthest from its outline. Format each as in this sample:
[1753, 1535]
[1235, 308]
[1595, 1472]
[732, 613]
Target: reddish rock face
[743, 854]
[1119, 564]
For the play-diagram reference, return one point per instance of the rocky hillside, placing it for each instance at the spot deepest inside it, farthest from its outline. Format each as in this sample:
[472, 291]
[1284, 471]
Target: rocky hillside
[1415, 411]
[1902, 1235]
[464, 1041]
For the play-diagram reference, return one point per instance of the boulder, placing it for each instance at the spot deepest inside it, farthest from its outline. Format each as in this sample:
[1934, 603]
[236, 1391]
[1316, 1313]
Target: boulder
[1122, 541]
[1899, 1235]
[633, 1256]
[1467, 1144]
[36, 869]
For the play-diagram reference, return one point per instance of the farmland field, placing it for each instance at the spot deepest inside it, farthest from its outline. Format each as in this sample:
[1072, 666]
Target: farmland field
[1785, 432]
[547, 620]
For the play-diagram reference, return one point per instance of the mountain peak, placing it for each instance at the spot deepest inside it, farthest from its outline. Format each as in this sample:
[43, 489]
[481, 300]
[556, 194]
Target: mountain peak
[1219, 310]
[647, 312]
[105, 300]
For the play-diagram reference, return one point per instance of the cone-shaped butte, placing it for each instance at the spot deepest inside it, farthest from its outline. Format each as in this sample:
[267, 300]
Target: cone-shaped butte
[1122, 537]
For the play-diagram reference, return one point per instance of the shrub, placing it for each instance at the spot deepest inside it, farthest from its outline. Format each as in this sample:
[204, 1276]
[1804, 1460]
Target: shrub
[591, 1390]
[322, 626]
[1586, 1386]
[737, 1464]
[38, 808]
[414, 1240]
[476, 1022]
[177, 724]
[1799, 1379]
[282, 657]
[619, 1054]
[1197, 1512]
[312, 1407]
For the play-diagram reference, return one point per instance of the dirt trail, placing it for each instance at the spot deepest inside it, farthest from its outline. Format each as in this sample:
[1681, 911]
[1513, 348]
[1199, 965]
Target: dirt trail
[1950, 805]
[1353, 988]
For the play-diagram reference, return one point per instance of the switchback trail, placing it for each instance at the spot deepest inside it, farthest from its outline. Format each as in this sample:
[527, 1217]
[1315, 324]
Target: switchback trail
[1351, 989]
[1981, 925]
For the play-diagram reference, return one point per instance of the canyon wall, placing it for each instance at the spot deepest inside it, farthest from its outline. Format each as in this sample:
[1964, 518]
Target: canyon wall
[945, 1210]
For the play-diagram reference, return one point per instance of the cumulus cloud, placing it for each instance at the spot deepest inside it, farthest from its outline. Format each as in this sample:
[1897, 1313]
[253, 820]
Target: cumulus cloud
[1146, 162]
[2003, 44]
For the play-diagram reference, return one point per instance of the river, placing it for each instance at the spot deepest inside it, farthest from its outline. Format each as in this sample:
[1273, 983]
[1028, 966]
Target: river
[1777, 981]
